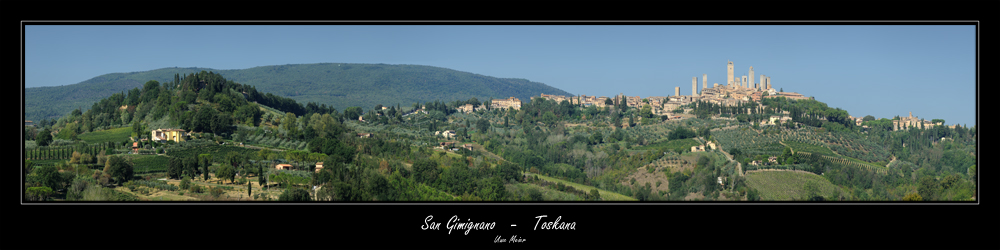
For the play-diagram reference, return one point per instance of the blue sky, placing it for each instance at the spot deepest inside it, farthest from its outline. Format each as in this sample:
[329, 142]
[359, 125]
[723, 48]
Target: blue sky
[879, 70]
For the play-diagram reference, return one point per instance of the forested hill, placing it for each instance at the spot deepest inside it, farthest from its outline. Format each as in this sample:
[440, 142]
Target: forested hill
[339, 85]
[57, 101]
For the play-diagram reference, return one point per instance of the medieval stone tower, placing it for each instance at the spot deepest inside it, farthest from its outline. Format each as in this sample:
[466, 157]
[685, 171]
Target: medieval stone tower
[694, 86]
[704, 81]
[729, 70]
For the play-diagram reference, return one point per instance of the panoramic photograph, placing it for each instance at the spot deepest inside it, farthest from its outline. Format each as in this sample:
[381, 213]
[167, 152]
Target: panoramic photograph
[499, 113]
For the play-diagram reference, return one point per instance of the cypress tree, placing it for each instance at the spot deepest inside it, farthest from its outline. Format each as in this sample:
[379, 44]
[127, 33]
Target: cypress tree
[260, 177]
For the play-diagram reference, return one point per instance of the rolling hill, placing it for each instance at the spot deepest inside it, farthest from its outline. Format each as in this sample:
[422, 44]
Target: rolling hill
[340, 85]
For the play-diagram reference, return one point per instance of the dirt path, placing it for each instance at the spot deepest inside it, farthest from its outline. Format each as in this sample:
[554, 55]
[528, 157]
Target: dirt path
[789, 147]
[487, 153]
[739, 166]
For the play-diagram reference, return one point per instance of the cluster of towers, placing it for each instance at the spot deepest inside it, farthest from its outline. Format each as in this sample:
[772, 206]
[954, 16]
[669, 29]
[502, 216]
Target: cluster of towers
[746, 82]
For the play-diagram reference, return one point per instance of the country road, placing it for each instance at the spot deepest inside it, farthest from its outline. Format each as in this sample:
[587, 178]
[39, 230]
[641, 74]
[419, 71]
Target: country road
[739, 166]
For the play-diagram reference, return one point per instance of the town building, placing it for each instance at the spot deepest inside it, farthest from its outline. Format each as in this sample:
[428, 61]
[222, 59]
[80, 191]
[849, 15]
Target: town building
[467, 108]
[788, 95]
[775, 120]
[587, 101]
[633, 101]
[509, 103]
[755, 96]
[447, 134]
[912, 122]
[555, 98]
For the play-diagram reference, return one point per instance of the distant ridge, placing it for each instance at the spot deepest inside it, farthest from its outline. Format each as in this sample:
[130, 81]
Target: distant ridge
[340, 85]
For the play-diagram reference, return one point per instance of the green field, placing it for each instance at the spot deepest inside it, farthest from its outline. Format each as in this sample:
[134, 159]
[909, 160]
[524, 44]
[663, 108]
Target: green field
[605, 195]
[149, 163]
[788, 185]
[805, 147]
[218, 152]
[684, 144]
[38, 163]
[548, 194]
[113, 135]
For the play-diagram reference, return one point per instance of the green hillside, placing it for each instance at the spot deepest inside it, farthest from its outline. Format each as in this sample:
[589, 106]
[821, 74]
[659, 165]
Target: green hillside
[339, 85]
[788, 185]
[54, 102]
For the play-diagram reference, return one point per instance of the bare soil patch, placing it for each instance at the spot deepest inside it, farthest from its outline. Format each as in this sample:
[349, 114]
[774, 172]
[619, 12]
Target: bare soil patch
[643, 176]
[487, 153]
[694, 196]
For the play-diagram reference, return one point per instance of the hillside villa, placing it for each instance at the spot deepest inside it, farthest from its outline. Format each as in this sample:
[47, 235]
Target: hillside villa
[447, 133]
[163, 135]
[283, 166]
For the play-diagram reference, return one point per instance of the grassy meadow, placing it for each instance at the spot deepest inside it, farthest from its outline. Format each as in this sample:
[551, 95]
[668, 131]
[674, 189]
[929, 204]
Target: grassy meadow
[113, 135]
[788, 185]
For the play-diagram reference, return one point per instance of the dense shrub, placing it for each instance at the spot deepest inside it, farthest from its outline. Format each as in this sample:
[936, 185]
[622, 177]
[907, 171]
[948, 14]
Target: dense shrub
[216, 192]
[294, 194]
[186, 182]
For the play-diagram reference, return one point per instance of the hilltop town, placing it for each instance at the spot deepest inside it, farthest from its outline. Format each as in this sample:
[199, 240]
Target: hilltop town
[736, 92]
